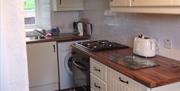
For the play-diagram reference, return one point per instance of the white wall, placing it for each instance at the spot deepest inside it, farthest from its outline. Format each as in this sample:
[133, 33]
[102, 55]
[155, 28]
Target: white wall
[13, 61]
[43, 10]
[123, 27]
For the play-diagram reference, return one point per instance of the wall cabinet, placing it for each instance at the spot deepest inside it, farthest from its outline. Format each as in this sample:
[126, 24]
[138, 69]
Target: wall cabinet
[67, 5]
[115, 81]
[42, 66]
[120, 3]
[154, 3]
[146, 6]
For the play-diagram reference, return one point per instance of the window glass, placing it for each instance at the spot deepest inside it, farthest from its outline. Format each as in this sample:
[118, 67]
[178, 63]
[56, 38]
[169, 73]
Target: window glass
[30, 12]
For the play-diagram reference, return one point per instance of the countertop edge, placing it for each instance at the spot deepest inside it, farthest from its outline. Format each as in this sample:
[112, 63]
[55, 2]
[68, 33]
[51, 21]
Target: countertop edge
[61, 38]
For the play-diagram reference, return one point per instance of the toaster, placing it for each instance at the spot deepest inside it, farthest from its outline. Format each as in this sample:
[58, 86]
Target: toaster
[144, 46]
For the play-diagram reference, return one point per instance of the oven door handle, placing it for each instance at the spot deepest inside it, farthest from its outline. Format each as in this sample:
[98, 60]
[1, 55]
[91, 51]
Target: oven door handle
[78, 65]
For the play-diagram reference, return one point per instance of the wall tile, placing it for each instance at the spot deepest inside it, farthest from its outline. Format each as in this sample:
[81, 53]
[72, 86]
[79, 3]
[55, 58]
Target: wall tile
[123, 28]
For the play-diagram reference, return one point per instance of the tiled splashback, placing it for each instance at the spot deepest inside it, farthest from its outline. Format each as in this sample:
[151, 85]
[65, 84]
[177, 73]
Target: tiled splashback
[123, 28]
[64, 20]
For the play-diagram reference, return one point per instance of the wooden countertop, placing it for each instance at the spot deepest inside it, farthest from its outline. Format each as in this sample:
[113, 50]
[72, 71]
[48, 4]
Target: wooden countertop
[168, 71]
[61, 38]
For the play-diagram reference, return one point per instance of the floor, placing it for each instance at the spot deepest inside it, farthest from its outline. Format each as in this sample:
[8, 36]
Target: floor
[77, 89]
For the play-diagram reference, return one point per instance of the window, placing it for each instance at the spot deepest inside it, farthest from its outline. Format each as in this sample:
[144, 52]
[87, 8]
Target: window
[30, 12]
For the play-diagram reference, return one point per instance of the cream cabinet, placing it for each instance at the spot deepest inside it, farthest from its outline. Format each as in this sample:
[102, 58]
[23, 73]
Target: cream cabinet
[119, 82]
[155, 3]
[115, 3]
[42, 66]
[146, 6]
[107, 79]
[98, 76]
[67, 5]
[145, 3]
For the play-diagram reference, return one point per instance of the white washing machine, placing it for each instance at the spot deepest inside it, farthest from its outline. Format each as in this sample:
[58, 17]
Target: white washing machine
[65, 73]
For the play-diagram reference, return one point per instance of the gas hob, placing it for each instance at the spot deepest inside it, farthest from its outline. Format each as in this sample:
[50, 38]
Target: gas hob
[101, 45]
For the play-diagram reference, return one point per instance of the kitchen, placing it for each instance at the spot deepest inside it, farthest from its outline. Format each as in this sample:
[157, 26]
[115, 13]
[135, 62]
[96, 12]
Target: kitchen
[120, 26]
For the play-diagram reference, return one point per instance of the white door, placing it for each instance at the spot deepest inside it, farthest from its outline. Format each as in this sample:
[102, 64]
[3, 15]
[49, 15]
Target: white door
[120, 3]
[154, 2]
[42, 66]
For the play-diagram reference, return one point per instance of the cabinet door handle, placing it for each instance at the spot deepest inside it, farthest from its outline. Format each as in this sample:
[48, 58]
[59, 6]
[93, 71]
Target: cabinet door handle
[95, 85]
[60, 2]
[123, 81]
[54, 48]
[96, 69]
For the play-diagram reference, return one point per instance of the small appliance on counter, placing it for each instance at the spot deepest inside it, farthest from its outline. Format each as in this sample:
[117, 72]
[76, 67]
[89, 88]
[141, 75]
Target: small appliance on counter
[144, 46]
[55, 31]
[82, 27]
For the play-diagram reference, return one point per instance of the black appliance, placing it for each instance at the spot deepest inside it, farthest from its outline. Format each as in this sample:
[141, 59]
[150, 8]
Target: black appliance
[80, 67]
[79, 62]
[101, 45]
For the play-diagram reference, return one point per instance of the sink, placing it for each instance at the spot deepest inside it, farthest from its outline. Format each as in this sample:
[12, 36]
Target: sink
[34, 38]
[135, 62]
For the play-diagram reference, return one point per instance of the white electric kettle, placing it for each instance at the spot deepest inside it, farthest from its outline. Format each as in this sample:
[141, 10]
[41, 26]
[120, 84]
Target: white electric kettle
[144, 46]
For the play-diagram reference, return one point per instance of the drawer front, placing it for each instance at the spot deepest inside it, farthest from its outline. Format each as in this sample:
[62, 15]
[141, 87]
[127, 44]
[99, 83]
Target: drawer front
[126, 81]
[98, 69]
[92, 89]
[97, 84]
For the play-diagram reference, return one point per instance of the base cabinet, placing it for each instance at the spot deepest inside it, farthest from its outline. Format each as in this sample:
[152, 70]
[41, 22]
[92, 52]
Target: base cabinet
[107, 79]
[119, 82]
[42, 66]
[98, 76]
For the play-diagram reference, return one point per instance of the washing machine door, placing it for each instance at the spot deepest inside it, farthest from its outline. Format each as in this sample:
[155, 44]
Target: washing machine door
[66, 75]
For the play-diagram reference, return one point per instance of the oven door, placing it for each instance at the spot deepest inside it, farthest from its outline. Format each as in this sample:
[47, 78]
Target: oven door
[80, 69]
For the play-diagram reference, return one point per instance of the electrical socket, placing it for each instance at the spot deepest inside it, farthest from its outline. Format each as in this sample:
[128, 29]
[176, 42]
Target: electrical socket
[168, 44]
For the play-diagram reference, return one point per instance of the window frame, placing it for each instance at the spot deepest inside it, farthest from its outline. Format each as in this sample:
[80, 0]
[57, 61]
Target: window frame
[33, 26]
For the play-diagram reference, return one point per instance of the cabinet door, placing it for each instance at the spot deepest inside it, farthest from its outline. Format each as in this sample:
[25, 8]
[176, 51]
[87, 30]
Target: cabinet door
[42, 66]
[154, 2]
[65, 5]
[120, 3]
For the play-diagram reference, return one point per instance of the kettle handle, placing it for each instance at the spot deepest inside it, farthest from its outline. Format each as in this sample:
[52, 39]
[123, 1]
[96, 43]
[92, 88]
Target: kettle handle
[154, 45]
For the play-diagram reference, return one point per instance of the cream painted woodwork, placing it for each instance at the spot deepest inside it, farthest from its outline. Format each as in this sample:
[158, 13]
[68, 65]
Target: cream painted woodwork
[98, 69]
[115, 81]
[119, 82]
[155, 3]
[146, 6]
[147, 10]
[98, 76]
[120, 3]
[98, 84]
[42, 66]
[67, 5]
